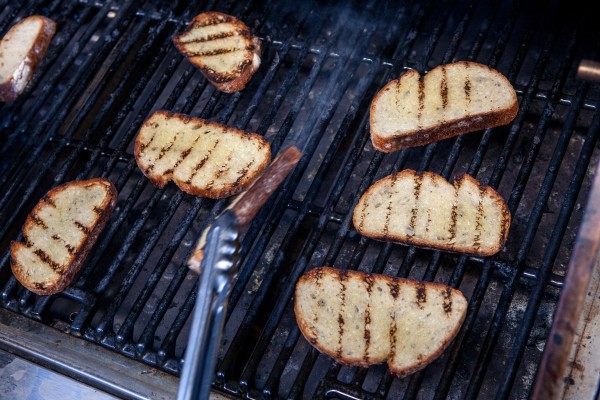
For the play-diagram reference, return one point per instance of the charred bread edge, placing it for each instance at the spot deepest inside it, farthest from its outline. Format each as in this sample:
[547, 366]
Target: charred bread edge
[66, 278]
[359, 362]
[427, 244]
[447, 129]
[33, 58]
[227, 84]
[226, 191]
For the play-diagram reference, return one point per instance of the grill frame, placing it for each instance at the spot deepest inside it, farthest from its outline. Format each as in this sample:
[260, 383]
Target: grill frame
[86, 91]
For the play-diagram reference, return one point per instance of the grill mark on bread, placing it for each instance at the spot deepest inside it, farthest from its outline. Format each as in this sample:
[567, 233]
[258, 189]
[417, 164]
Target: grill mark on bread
[217, 52]
[392, 333]
[221, 19]
[418, 180]
[162, 152]
[202, 162]
[38, 221]
[454, 216]
[224, 167]
[82, 227]
[397, 92]
[321, 303]
[242, 174]
[478, 216]
[428, 222]
[467, 89]
[342, 277]
[421, 99]
[363, 215]
[149, 142]
[183, 154]
[444, 88]
[388, 214]
[69, 248]
[421, 294]
[210, 38]
[49, 201]
[394, 288]
[56, 267]
[367, 335]
[447, 294]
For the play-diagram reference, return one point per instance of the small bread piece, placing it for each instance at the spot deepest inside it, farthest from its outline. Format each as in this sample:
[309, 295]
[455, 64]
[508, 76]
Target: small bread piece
[60, 232]
[21, 50]
[203, 158]
[223, 48]
[450, 100]
[423, 209]
[363, 319]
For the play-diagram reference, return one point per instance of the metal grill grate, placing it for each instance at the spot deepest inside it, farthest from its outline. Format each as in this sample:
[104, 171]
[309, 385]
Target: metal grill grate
[112, 63]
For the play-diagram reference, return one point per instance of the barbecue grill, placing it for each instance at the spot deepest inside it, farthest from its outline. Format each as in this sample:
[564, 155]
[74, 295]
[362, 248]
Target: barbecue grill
[112, 63]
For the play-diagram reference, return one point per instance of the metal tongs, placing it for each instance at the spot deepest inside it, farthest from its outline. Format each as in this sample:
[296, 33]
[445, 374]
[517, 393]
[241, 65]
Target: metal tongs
[215, 258]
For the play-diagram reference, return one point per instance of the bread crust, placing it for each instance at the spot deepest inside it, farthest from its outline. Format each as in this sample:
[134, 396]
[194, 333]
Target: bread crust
[11, 89]
[229, 190]
[431, 245]
[230, 83]
[448, 129]
[359, 362]
[81, 254]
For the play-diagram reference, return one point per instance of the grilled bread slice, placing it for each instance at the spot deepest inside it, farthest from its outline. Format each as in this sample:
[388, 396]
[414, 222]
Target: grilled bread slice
[364, 319]
[203, 158]
[423, 209]
[223, 48]
[60, 232]
[21, 49]
[450, 100]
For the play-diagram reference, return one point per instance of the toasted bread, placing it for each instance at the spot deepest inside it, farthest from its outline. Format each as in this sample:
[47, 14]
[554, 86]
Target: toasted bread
[423, 209]
[223, 48]
[60, 232]
[203, 158]
[21, 49]
[450, 100]
[363, 319]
